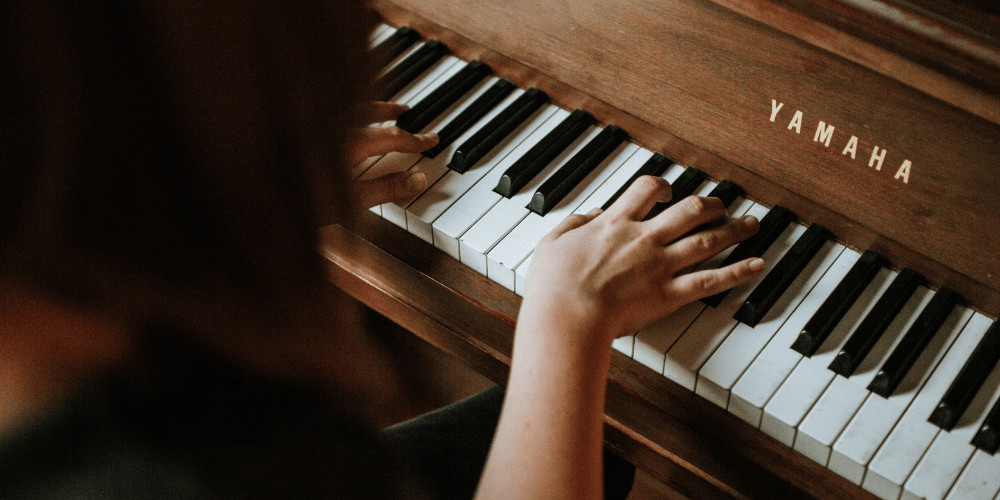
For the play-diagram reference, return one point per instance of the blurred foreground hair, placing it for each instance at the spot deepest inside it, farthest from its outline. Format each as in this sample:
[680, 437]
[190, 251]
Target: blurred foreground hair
[172, 161]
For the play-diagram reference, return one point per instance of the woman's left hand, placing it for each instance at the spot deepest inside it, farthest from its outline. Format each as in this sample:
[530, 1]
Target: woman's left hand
[376, 140]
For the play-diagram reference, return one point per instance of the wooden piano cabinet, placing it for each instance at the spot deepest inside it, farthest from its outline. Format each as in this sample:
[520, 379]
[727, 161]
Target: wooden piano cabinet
[663, 428]
[879, 119]
[702, 81]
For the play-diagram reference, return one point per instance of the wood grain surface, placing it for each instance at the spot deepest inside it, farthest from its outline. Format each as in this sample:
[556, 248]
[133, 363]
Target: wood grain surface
[696, 80]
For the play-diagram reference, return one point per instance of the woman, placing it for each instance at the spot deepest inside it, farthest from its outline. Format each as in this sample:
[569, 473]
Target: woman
[165, 326]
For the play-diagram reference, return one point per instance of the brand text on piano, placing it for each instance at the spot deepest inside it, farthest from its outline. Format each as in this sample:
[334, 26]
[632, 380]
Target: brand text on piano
[824, 135]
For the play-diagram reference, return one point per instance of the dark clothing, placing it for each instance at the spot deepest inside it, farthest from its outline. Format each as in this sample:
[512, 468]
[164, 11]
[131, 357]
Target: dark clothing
[447, 448]
[181, 423]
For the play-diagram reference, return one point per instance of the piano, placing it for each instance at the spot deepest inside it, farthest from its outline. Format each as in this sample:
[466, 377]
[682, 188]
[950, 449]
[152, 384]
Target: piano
[864, 133]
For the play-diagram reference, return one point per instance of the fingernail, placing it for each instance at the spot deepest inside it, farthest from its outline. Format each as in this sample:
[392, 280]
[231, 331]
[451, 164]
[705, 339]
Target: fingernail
[428, 137]
[750, 220]
[757, 265]
[416, 182]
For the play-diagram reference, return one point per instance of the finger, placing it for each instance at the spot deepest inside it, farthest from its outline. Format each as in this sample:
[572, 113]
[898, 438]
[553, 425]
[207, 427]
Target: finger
[381, 111]
[394, 187]
[697, 247]
[700, 284]
[640, 197]
[375, 141]
[574, 221]
[685, 215]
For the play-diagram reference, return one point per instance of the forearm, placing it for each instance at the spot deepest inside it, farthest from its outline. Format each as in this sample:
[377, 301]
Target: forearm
[550, 435]
[594, 277]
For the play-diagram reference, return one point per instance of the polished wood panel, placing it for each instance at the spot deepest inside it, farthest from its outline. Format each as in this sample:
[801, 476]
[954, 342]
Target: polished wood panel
[695, 80]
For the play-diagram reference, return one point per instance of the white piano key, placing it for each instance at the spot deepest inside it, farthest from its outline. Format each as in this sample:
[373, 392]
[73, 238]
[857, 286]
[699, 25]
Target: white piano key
[518, 244]
[949, 453]
[424, 84]
[911, 437]
[713, 325]
[980, 478]
[705, 188]
[477, 242]
[756, 386]
[654, 340]
[521, 275]
[623, 345]
[421, 214]
[435, 168]
[877, 415]
[796, 395]
[618, 179]
[720, 372]
[792, 400]
[379, 34]
[827, 419]
[480, 198]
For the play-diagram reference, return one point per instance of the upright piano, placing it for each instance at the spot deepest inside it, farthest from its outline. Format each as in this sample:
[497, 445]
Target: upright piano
[864, 133]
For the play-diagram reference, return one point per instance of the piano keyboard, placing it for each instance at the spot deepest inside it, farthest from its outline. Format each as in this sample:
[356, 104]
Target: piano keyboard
[863, 369]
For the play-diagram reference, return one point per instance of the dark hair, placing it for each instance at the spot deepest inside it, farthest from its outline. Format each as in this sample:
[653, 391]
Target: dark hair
[175, 158]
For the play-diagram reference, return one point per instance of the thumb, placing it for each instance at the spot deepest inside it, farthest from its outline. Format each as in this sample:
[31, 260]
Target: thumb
[397, 186]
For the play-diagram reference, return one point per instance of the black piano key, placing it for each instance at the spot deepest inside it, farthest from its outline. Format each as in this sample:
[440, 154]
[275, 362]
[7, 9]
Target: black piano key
[818, 328]
[916, 339]
[988, 437]
[875, 323]
[470, 115]
[556, 187]
[392, 47]
[655, 166]
[969, 380]
[486, 138]
[528, 166]
[681, 188]
[773, 285]
[727, 191]
[771, 226]
[409, 69]
[441, 98]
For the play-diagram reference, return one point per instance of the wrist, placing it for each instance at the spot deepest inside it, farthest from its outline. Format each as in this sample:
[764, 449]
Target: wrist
[567, 326]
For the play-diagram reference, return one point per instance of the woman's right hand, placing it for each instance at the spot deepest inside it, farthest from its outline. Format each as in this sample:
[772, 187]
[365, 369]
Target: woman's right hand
[617, 272]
